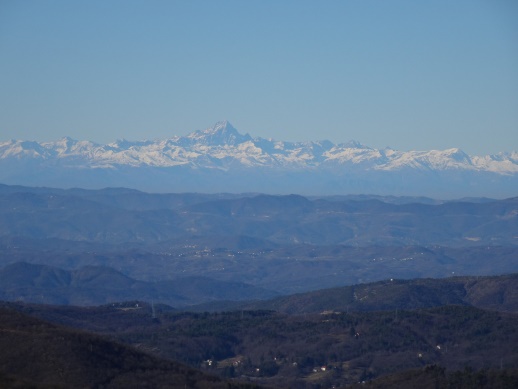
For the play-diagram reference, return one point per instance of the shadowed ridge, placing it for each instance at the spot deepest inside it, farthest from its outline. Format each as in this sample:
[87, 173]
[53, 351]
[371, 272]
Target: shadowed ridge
[61, 357]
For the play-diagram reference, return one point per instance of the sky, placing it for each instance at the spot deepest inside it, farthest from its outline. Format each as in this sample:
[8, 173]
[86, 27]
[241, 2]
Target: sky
[411, 75]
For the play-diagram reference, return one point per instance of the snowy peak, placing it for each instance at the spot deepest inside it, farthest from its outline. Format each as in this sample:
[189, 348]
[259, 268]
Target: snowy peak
[67, 146]
[353, 144]
[457, 155]
[221, 134]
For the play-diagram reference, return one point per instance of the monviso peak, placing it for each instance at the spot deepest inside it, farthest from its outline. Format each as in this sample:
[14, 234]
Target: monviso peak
[221, 134]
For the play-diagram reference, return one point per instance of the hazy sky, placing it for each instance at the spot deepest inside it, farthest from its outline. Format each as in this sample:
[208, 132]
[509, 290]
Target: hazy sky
[405, 74]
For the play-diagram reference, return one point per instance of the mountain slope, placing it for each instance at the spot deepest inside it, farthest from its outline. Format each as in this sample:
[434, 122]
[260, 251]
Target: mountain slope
[497, 293]
[39, 354]
[94, 285]
[290, 350]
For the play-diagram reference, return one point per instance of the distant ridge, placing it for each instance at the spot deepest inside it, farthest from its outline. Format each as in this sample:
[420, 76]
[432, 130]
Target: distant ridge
[96, 285]
[220, 159]
[499, 293]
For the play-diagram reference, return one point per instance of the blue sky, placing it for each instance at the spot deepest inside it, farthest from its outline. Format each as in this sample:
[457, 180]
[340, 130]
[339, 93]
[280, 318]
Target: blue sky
[405, 74]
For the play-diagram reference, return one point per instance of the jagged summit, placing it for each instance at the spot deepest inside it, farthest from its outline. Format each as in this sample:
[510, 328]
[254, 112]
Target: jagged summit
[222, 126]
[221, 134]
[458, 155]
[354, 144]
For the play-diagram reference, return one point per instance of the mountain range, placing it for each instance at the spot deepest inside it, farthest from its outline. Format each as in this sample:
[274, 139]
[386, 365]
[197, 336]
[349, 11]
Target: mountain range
[286, 244]
[120, 216]
[220, 159]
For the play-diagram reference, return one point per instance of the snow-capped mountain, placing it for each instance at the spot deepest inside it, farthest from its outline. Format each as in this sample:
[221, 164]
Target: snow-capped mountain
[230, 155]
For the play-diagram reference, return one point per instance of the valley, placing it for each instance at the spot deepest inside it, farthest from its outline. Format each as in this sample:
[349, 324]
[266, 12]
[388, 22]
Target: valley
[254, 290]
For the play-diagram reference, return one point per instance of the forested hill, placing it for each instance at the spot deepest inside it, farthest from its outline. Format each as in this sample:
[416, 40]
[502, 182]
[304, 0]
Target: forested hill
[38, 354]
[94, 285]
[303, 351]
[496, 293]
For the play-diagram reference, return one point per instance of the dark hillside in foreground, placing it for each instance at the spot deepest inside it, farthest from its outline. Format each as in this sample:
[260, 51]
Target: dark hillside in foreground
[42, 355]
[306, 351]
[434, 377]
